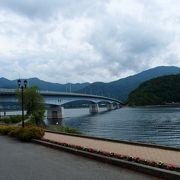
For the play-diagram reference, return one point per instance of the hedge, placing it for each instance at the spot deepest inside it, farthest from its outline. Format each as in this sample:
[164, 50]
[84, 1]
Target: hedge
[24, 134]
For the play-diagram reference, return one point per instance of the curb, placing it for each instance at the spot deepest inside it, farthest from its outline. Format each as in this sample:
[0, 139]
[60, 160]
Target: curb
[161, 173]
[118, 141]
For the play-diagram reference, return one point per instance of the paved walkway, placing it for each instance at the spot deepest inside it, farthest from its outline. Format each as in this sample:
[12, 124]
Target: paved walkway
[148, 153]
[29, 161]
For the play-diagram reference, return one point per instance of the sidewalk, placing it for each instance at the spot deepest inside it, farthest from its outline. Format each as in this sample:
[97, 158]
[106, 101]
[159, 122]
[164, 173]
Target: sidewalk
[29, 161]
[148, 153]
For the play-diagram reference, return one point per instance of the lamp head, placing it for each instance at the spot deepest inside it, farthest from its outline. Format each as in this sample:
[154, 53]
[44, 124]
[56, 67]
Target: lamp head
[25, 83]
[19, 83]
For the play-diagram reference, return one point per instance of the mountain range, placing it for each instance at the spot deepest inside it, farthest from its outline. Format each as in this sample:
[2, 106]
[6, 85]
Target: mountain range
[119, 89]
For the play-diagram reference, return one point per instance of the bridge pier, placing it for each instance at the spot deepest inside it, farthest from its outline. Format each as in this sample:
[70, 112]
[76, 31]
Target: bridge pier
[55, 112]
[110, 106]
[93, 108]
[117, 106]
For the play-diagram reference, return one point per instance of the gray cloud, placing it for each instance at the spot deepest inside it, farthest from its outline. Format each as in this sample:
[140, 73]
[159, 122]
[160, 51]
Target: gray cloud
[77, 41]
[49, 8]
[31, 8]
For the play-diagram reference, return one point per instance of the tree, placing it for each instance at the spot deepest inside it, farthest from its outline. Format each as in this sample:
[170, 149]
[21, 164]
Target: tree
[34, 104]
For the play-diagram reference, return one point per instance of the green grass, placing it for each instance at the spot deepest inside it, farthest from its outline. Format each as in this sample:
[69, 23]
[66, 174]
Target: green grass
[63, 129]
[11, 119]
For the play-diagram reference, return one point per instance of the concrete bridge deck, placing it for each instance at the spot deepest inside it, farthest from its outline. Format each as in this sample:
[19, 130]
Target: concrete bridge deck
[144, 152]
[55, 101]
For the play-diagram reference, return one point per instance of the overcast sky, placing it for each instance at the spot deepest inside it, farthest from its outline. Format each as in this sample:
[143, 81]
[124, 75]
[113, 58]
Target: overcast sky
[87, 40]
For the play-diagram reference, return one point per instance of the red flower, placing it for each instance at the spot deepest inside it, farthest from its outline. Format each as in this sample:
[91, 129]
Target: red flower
[170, 166]
[136, 159]
[119, 156]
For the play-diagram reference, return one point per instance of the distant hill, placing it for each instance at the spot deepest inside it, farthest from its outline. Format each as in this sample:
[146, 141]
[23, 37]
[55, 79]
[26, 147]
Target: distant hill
[44, 85]
[5, 83]
[158, 91]
[119, 89]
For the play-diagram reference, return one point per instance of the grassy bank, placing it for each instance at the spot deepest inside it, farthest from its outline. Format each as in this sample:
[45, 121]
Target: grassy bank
[62, 129]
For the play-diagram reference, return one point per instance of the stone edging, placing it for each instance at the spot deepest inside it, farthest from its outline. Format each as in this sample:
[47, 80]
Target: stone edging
[118, 141]
[162, 173]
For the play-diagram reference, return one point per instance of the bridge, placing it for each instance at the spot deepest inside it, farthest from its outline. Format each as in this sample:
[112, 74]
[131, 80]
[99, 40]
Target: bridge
[55, 101]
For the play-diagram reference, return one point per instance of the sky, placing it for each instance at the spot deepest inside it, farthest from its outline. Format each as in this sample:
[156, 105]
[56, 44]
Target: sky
[87, 40]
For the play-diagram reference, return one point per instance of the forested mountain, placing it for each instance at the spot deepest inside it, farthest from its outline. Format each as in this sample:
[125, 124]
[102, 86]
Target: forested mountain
[158, 91]
[119, 89]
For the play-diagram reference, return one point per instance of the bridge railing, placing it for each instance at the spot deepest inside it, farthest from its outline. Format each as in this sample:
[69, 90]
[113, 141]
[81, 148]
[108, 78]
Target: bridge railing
[55, 93]
[7, 90]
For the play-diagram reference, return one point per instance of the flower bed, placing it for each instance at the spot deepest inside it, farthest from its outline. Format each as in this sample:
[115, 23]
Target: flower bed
[118, 156]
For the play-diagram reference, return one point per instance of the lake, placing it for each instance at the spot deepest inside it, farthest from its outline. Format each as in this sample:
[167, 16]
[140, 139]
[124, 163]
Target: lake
[155, 125]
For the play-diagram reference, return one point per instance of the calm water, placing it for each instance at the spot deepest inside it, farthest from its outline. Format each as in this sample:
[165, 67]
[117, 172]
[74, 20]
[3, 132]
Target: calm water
[150, 125]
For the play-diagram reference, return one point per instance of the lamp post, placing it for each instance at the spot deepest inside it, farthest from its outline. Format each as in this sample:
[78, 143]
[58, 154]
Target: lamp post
[22, 85]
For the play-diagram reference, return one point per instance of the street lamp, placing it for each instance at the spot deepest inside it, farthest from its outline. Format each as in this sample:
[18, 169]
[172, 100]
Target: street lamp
[22, 85]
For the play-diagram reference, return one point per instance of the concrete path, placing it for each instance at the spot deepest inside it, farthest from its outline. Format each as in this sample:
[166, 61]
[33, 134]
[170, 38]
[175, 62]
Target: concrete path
[148, 153]
[28, 161]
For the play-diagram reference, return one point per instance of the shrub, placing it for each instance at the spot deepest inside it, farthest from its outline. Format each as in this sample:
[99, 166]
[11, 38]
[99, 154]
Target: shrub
[37, 132]
[4, 129]
[28, 133]
[16, 119]
[5, 120]
[14, 132]
[12, 119]
[25, 134]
